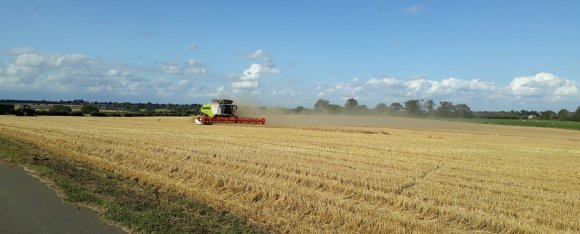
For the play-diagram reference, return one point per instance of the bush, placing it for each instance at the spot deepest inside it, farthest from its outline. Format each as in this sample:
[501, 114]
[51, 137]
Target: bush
[98, 114]
[132, 114]
[86, 109]
[76, 113]
[41, 112]
[59, 109]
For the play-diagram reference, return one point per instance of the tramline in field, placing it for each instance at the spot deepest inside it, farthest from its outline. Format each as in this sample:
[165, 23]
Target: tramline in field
[223, 111]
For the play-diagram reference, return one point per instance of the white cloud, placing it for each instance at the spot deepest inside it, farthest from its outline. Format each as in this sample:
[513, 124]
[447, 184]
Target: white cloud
[453, 86]
[219, 92]
[342, 90]
[33, 72]
[569, 89]
[414, 9]
[257, 54]
[423, 87]
[190, 68]
[267, 63]
[539, 88]
[252, 73]
[30, 59]
[284, 92]
[245, 84]
[249, 80]
[166, 87]
[114, 72]
[543, 86]
[387, 81]
[26, 71]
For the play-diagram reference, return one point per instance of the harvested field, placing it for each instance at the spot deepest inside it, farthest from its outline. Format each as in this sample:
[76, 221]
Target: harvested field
[372, 175]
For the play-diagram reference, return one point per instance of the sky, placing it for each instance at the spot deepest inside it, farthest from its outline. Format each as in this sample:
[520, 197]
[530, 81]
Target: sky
[491, 55]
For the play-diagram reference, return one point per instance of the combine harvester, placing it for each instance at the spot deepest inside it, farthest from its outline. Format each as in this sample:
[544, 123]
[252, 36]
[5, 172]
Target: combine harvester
[223, 111]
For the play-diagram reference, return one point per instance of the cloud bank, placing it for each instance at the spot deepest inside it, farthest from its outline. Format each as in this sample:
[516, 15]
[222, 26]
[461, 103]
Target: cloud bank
[29, 73]
[80, 75]
[542, 87]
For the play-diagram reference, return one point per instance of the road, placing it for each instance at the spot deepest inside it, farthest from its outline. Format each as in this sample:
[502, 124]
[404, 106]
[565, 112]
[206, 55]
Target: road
[29, 206]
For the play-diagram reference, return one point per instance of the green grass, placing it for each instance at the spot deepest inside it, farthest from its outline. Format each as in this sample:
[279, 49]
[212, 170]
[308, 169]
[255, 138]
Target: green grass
[525, 122]
[138, 207]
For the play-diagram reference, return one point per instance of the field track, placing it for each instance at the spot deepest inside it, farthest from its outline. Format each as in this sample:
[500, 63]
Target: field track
[308, 174]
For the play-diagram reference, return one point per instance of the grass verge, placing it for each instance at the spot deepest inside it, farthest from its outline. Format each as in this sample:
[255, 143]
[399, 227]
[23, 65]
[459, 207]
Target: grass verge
[137, 207]
[525, 122]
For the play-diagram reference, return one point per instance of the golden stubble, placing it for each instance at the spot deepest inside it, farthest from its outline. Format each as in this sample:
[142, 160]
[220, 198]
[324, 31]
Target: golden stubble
[338, 179]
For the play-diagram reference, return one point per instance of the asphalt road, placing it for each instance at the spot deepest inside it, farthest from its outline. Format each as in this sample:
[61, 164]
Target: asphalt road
[29, 206]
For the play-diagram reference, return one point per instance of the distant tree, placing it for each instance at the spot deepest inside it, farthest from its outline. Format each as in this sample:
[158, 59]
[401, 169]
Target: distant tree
[149, 111]
[548, 114]
[321, 105]
[396, 107]
[334, 109]
[299, 109]
[362, 109]
[463, 111]
[413, 107]
[446, 109]
[564, 114]
[429, 106]
[132, 108]
[381, 108]
[87, 109]
[351, 103]
[576, 115]
[61, 108]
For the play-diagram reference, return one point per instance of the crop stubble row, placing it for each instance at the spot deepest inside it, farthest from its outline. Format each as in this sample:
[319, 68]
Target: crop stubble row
[345, 179]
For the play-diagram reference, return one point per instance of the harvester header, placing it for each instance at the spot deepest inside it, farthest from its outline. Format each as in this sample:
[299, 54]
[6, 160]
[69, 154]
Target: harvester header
[223, 111]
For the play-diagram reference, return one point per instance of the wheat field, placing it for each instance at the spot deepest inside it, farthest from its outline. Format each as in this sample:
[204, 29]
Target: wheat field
[406, 177]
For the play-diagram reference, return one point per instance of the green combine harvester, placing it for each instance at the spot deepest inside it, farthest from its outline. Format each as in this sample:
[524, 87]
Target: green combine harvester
[223, 111]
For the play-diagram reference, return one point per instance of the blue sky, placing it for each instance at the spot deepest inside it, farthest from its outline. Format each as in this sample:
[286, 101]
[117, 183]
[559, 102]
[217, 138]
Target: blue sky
[491, 55]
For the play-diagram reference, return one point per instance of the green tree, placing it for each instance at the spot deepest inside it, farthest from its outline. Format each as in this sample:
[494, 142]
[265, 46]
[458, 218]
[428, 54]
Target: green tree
[413, 107]
[351, 105]
[564, 114]
[299, 109]
[61, 109]
[381, 108]
[548, 114]
[334, 109]
[576, 116]
[321, 105]
[446, 109]
[87, 109]
[463, 111]
[429, 106]
[362, 109]
[396, 107]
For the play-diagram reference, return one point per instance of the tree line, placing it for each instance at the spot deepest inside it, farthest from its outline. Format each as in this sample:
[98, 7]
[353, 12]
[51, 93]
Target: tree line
[429, 108]
[415, 108]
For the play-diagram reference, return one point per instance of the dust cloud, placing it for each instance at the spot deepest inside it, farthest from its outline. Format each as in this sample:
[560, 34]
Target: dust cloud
[334, 121]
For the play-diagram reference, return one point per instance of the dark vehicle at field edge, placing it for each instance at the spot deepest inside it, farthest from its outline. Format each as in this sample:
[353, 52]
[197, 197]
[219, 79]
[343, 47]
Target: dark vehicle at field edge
[24, 110]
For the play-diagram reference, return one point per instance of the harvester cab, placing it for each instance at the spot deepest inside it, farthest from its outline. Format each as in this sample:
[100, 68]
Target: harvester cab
[223, 111]
[219, 107]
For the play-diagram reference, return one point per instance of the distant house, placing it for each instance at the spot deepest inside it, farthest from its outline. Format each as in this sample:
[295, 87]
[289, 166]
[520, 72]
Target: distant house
[532, 117]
